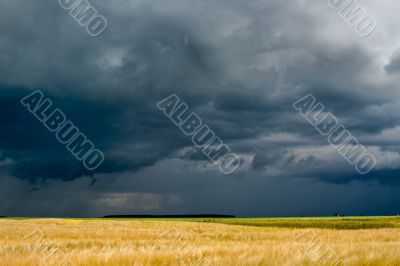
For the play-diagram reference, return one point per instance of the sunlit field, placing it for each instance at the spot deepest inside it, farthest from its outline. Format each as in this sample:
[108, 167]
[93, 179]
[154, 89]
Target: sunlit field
[260, 241]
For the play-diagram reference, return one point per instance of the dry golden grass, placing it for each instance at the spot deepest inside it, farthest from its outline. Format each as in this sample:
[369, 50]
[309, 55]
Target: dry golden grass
[100, 242]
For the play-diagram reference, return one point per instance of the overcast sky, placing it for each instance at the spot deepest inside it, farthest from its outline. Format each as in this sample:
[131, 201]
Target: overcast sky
[240, 65]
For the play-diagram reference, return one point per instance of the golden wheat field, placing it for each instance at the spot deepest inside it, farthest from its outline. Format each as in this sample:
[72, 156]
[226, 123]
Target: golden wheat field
[181, 242]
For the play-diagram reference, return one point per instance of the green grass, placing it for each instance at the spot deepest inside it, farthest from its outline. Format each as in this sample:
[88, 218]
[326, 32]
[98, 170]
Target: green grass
[338, 223]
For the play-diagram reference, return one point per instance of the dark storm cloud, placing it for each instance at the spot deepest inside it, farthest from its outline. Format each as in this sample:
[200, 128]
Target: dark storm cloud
[124, 132]
[240, 65]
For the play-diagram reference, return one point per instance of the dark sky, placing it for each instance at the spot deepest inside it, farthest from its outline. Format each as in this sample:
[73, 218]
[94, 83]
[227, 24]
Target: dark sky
[240, 65]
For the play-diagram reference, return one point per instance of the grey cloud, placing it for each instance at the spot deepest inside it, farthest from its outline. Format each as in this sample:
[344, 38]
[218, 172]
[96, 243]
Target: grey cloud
[239, 65]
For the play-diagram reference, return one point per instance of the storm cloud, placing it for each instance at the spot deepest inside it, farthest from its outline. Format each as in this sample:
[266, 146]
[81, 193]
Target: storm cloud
[240, 65]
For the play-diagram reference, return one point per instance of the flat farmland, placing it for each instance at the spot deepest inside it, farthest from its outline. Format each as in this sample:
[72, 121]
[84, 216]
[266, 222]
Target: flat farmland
[240, 241]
